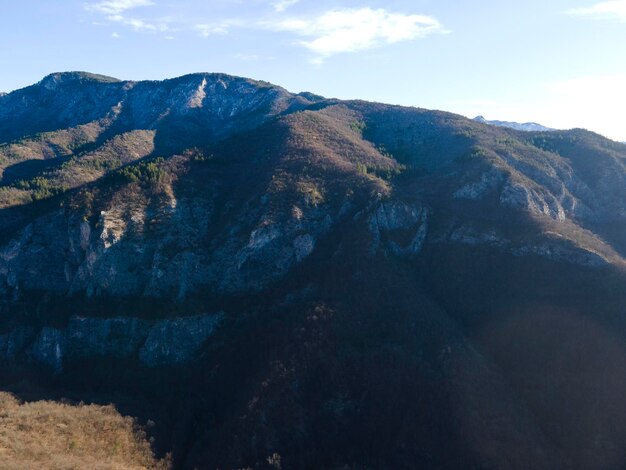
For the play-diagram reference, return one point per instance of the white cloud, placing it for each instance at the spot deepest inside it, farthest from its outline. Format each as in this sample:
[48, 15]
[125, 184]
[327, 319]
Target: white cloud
[330, 33]
[282, 5]
[353, 30]
[139, 24]
[217, 27]
[115, 11]
[614, 9]
[115, 35]
[248, 57]
[116, 7]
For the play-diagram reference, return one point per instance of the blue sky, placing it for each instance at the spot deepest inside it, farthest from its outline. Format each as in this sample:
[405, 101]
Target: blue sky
[561, 63]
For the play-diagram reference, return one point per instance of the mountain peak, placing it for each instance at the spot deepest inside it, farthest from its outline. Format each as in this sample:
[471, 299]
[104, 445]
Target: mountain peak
[526, 126]
[66, 77]
[215, 77]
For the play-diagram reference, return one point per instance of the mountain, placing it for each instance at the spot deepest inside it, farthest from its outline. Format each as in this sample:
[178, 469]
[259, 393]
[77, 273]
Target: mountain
[273, 279]
[527, 126]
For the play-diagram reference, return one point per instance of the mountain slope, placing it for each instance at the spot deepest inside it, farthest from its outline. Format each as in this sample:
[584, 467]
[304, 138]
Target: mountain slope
[280, 279]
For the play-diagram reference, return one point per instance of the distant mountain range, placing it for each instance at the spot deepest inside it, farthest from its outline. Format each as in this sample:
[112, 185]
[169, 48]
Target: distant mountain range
[526, 126]
[277, 280]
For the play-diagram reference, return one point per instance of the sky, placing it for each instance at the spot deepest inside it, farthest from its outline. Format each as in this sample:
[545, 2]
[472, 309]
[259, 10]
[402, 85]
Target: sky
[561, 63]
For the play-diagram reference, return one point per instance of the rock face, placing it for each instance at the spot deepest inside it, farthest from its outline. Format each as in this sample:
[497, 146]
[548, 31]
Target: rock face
[154, 344]
[408, 223]
[112, 337]
[173, 342]
[14, 343]
[396, 287]
[518, 196]
[120, 255]
[49, 348]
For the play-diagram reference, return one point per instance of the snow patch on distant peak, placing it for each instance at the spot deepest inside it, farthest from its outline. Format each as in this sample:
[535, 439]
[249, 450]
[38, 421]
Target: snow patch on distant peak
[525, 126]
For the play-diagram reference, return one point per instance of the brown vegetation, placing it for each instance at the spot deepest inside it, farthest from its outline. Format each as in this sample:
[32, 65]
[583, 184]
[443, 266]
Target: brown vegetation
[50, 435]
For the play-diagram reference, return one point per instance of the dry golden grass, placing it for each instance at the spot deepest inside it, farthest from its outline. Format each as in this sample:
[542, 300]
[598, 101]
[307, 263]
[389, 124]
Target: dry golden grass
[50, 435]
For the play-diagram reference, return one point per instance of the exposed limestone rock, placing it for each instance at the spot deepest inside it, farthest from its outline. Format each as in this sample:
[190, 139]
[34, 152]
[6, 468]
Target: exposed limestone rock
[489, 181]
[33, 251]
[112, 337]
[270, 250]
[154, 343]
[172, 342]
[195, 100]
[526, 197]
[113, 227]
[262, 236]
[85, 235]
[123, 255]
[13, 344]
[399, 227]
[49, 348]
[562, 189]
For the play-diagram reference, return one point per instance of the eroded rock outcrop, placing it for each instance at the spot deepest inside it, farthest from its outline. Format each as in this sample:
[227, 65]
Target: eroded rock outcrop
[172, 342]
[399, 227]
[153, 343]
[49, 348]
[105, 337]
